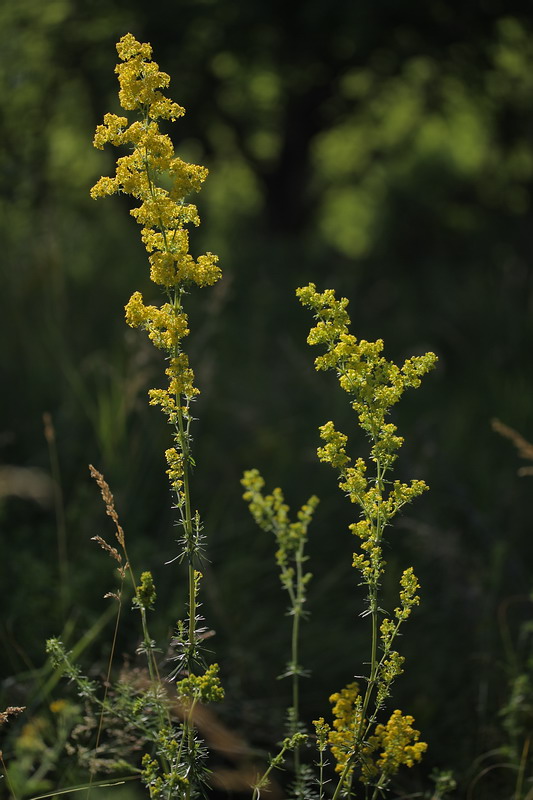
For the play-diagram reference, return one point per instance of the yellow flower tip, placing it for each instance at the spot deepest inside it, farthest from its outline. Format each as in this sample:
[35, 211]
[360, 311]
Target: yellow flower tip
[252, 481]
[135, 310]
[163, 108]
[162, 212]
[145, 593]
[128, 47]
[322, 730]
[104, 187]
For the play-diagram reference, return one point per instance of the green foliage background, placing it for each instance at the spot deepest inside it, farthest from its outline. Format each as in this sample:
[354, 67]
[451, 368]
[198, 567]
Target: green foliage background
[382, 149]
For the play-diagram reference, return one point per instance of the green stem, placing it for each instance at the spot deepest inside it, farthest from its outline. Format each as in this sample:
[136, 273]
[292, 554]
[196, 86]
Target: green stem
[186, 514]
[374, 605]
[188, 734]
[343, 777]
[148, 646]
[378, 786]
[321, 776]
[521, 770]
[295, 676]
[373, 588]
[297, 611]
[263, 780]
[188, 527]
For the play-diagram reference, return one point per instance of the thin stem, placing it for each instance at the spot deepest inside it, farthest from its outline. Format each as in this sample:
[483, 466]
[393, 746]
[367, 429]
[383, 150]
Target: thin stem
[189, 727]
[107, 681]
[71, 789]
[6, 773]
[263, 780]
[342, 778]
[321, 775]
[150, 657]
[297, 612]
[378, 786]
[374, 605]
[187, 522]
[186, 513]
[522, 770]
[373, 597]
[295, 676]
[152, 663]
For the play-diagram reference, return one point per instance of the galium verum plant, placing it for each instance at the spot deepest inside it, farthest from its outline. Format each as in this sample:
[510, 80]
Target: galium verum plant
[164, 215]
[161, 182]
[364, 748]
[272, 514]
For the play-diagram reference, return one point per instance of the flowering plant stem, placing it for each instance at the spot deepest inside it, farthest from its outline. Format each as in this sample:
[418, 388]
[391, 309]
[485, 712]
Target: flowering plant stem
[272, 514]
[374, 385]
[289, 743]
[164, 215]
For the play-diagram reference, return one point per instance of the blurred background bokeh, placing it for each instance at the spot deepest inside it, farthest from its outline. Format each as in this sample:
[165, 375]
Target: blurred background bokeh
[383, 149]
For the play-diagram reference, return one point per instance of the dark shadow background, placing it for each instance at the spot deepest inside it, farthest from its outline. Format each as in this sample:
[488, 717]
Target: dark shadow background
[378, 148]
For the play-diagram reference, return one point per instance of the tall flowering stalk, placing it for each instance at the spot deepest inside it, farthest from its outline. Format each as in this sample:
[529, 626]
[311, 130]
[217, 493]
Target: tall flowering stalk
[165, 214]
[271, 513]
[361, 747]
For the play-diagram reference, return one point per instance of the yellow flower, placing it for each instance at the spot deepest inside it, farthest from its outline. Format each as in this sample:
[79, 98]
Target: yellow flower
[334, 451]
[160, 181]
[346, 724]
[175, 470]
[206, 688]
[162, 212]
[398, 742]
[128, 47]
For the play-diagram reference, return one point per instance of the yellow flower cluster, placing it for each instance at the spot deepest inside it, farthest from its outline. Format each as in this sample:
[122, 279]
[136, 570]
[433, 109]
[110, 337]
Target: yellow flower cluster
[164, 214]
[272, 514]
[322, 730]
[408, 594]
[334, 451]
[399, 744]
[347, 724]
[204, 688]
[58, 706]
[374, 383]
[390, 667]
[165, 328]
[164, 783]
[145, 594]
[395, 744]
[175, 468]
